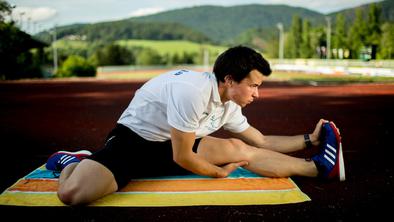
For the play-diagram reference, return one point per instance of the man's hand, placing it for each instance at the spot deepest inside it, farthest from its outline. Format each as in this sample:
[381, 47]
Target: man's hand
[315, 136]
[230, 167]
[182, 143]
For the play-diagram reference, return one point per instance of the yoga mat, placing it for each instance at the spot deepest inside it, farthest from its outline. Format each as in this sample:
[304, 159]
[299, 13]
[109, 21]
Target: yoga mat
[242, 187]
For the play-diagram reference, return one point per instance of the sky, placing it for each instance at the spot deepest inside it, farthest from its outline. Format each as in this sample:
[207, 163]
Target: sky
[34, 16]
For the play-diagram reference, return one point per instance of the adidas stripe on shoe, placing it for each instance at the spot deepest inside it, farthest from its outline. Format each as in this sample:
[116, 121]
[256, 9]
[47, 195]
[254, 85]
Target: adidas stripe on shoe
[329, 161]
[59, 160]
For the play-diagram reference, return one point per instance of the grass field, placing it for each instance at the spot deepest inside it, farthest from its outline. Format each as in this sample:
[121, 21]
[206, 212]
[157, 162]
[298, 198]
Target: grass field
[163, 47]
[173, 46]
[68, 44]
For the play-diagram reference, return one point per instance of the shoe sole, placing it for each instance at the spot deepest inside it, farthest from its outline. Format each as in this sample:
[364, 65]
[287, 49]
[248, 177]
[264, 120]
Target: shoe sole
[80, 152]
[341, 162]
[342, 176]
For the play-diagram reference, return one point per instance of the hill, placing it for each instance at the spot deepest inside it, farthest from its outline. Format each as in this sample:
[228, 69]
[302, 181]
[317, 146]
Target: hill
[225, 23]
[350, 14]
[200, 24]
[126, 29]
[205, 23]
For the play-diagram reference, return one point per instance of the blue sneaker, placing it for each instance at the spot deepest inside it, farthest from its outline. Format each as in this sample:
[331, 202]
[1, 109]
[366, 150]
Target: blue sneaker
[329, 160]
[59, 160]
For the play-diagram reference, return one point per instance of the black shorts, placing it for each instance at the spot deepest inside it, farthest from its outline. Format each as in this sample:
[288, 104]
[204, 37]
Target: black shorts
[129, 156]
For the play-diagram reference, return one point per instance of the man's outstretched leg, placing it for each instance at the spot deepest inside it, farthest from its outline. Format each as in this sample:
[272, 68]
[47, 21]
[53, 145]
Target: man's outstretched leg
[327, 164]
[261, 161]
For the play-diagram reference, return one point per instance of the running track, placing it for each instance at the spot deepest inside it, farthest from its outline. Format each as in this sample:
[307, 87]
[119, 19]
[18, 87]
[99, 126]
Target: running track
[40, 117]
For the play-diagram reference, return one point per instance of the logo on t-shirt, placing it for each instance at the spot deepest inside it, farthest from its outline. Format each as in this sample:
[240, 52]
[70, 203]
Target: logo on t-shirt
[214, 120]
[180, 72]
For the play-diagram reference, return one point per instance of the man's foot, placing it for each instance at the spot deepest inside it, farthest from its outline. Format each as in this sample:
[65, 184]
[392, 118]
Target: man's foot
[59, 160]
[329, 160]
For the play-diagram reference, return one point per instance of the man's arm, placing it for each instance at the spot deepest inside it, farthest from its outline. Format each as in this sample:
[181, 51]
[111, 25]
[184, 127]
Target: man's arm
[183, 155]
[283, 144]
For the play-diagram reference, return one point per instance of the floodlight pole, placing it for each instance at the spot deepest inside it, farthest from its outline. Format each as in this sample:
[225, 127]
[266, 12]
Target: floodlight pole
[55, 65]
[328, 19]
[281, 40]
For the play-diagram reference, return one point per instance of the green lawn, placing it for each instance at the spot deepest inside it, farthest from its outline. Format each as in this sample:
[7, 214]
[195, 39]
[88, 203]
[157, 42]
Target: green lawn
[74, 44]
[173, 46]
[161, 46]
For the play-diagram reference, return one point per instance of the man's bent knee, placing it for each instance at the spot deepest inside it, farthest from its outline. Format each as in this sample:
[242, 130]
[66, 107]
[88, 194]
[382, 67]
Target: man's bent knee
[89, 181]
[70, 194]
[239, 148]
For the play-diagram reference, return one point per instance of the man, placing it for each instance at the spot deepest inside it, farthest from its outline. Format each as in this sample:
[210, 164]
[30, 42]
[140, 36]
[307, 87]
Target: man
[165, 130]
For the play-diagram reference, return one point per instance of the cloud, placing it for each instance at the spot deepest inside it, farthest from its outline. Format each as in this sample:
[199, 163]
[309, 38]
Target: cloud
[322, 6]
[145, 11]
[33, 14]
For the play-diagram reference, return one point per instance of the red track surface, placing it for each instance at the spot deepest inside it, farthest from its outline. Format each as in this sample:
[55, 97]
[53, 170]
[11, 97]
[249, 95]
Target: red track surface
[40, 117]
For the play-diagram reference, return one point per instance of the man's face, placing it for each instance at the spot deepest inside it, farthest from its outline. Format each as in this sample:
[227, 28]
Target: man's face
[244, 92]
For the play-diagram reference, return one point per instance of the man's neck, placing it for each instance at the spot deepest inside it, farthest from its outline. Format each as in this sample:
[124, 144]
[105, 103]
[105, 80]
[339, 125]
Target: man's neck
[222, 92]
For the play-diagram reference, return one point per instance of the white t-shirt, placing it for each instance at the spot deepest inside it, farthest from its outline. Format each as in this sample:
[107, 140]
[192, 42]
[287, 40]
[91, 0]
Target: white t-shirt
[186, 100]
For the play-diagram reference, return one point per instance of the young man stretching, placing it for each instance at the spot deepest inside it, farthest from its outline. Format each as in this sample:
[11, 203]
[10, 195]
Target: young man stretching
[165, 131]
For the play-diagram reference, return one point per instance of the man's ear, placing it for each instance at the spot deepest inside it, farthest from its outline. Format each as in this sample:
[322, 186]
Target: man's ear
[228, 79]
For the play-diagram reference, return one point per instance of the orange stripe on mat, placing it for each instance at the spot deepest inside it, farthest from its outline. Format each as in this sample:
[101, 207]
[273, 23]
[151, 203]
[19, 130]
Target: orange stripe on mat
[208, 185]
[173, 185]
[35, 185]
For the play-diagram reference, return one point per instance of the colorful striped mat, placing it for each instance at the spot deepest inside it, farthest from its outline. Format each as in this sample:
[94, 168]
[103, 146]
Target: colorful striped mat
[242, 187]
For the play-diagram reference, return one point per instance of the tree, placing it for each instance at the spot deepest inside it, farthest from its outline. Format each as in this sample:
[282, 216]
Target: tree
[318, 41]
[17, 60]
[357, 34]
[373, 25]
[114, 55]
[386, 48]
[295, 38]
[340, 36]
[5, 10]
[306, 48]
[373, 29]
[76, 66]
[149, 56]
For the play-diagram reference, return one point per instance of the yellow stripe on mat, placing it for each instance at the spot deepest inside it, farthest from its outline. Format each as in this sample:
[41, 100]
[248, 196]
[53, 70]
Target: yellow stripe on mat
[164, 199]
